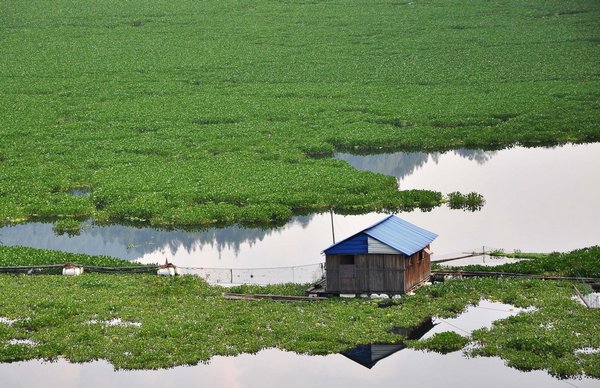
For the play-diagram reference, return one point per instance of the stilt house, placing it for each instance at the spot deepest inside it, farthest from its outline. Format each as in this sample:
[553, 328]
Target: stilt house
[390, 257]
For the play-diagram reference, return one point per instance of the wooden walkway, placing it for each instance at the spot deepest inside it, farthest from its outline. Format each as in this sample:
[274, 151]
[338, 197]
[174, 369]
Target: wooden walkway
[462, 256]
[281, 298]
[458, 273]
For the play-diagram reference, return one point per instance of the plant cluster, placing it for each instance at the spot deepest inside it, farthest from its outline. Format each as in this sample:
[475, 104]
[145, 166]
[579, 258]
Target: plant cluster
[216, 112]
[164, 322]
[471, 201]
[583, 262]
[11, 256]
[445, 342]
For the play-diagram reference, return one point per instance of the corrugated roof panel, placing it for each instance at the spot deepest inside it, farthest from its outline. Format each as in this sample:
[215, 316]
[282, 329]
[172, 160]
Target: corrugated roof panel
[393, 231]
[356, 244]
[401, 235]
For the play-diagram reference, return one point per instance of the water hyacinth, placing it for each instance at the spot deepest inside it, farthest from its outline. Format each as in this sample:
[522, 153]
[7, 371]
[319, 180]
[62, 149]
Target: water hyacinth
[145, 321]
[209, 113]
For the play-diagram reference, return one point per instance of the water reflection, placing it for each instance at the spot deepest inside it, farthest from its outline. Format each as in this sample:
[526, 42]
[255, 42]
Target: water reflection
[402, 164]
[211, 248]
[370, 354]
[475, 317]
[479, 156]
[485, 260]
[538, 200]
[278, 368]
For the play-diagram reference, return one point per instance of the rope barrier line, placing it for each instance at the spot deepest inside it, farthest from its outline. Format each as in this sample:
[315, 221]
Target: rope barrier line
[456, 327]
[25, 267]
[306, 273]
[493, 309]
[138, 267]
[147, 267]
[253, 269]
[90, 268]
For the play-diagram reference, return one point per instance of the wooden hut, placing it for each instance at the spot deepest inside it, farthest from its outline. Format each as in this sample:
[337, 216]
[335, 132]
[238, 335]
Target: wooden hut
[390, 257]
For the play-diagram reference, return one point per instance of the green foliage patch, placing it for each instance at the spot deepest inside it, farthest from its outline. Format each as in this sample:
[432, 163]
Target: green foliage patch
[583, 262]
[146, 321]
[445, 342]
[218, 112]
[11, 256]
[471, 201]
[558, 338]
[68, 226]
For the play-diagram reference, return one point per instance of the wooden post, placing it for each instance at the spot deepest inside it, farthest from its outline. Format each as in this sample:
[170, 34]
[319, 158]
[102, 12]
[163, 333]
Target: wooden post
[332, 229]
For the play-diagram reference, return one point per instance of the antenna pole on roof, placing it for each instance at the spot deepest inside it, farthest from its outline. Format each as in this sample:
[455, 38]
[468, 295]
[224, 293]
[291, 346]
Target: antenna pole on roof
[332, 229]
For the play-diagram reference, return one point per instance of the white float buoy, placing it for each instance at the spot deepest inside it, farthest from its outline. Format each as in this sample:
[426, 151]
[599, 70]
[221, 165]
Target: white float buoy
[167, 269]
[71, 269]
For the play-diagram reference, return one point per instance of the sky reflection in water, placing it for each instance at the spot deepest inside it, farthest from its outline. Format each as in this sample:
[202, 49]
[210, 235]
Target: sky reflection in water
[537, 200]
[540, 199]
[277, 368]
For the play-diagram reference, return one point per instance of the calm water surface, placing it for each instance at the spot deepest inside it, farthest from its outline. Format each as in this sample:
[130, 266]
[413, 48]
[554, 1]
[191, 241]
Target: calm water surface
[276, 368]
[536, 200]
[540, 199]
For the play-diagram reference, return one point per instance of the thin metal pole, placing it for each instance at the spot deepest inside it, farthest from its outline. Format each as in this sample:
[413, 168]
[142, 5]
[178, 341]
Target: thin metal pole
[332, 229]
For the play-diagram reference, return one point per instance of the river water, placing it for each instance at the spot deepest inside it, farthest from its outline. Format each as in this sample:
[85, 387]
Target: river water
[537, 200]
[541, 200]
[277, 368]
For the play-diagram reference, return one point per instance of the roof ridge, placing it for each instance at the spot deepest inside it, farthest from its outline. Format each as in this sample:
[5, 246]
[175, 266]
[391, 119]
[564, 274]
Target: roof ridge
[411, 239]
[379, 222]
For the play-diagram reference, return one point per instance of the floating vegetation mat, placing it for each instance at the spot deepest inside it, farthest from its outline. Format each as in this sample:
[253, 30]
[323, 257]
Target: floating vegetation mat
[213, 112]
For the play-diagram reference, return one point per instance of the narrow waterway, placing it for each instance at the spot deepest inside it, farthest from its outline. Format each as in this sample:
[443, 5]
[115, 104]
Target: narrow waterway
[537, 199]
[277, 368]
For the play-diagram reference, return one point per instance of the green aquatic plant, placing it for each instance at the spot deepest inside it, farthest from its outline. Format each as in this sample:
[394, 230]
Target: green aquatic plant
[559, 338]
[211, 113]
[471, 201]
[67, 225]
[293, 289]
[583, 262]
[147, 322]
[11, 256]
[445, 342]
[143, 321]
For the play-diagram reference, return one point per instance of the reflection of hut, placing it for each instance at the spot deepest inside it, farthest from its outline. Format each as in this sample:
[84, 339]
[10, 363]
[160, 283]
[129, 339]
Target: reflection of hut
[369, 355]
[389, 257]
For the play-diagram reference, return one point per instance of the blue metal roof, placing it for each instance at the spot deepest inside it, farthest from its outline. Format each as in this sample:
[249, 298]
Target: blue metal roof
[392, 231]
[353, 245]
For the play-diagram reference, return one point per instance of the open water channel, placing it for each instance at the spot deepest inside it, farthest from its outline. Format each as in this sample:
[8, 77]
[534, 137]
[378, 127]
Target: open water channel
[537, 200]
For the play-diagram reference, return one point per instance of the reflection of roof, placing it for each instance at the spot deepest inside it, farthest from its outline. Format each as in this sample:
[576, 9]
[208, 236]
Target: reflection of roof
[369, 355]
[400, 235]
